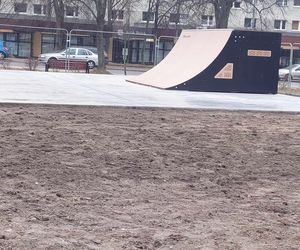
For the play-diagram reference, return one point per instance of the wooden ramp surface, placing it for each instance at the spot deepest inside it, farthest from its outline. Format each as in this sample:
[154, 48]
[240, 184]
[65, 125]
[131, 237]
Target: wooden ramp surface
[194, 51]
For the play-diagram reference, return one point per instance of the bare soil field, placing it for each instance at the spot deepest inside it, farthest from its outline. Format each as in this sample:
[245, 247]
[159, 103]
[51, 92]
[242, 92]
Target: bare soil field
[74, 177]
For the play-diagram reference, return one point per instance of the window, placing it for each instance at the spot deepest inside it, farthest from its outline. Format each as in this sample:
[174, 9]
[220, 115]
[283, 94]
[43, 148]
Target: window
[148, 16]
[117, 14]
[250, 22]
[48, 43]
[279, 24]
[207, 20]
[82, 52]
[178, 18]
[71, 52]
[236, 4]
[281, 2]
[39, 9]
[295, 25]
[297, 3]
[71, 11]
[25, 37]
[20, 7]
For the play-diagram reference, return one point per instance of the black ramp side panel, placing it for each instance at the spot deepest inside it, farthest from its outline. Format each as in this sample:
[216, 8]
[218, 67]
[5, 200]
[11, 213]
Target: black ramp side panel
[255, 59]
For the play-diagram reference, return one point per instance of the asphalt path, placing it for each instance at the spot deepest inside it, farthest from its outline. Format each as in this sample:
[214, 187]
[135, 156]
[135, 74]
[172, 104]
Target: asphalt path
[112, 68]
[113, 90]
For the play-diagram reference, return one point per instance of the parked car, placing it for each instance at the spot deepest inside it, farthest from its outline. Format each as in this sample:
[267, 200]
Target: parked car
[74, 54]
[295, 72]
[4, 52]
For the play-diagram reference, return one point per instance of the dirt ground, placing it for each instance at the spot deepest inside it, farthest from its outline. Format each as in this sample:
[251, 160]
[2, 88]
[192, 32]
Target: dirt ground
[132, 178]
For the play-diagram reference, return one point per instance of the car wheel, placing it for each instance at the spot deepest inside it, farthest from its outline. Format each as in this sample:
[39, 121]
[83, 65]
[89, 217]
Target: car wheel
[91, 64]
[52, 59]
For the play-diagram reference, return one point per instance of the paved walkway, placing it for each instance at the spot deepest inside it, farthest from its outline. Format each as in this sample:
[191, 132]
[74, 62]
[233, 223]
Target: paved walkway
[113, 90]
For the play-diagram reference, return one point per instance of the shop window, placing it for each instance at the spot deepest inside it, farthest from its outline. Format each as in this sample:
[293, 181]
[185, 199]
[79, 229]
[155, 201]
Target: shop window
[19, 44]
[48, 43]
[25, 37]
[164, 48]
[141, 52]
[24, 49]
[148, 16]
[75, 40]
[12, 37]
[20, 7]
[13, 47]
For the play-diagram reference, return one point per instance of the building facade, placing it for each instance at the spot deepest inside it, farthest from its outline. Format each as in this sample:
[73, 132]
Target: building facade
[137, 17]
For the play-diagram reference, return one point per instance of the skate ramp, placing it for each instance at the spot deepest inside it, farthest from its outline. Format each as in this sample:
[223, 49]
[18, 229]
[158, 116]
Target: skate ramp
[222, 60]
[191, 55]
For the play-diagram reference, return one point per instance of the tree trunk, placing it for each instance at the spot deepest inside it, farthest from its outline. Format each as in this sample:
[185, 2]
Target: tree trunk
[59, 10]
[222, 12]
[146, 30]
[109, 26]
[101, 10]
[156, 13]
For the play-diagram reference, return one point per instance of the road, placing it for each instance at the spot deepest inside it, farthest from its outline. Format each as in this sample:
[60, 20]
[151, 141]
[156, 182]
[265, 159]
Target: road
[115, 69]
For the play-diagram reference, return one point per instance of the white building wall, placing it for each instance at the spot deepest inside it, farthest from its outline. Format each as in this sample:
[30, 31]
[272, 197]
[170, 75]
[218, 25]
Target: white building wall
[265, 21]
[134, 14]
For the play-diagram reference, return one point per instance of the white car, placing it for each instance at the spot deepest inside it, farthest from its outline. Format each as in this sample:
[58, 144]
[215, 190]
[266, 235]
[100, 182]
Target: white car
[284, 72]
[72, 54]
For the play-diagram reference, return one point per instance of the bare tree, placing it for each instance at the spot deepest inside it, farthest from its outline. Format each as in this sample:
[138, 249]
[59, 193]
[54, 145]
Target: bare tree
[263, 11]
[5, 5]
[260, 8]
[59, 11]
[97, 9]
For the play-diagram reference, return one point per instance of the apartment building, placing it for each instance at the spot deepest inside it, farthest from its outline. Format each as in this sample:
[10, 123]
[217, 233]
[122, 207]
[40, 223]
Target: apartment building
[24, 42]
[283, 17]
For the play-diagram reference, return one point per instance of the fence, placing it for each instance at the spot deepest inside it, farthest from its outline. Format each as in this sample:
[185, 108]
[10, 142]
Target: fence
[119, 47]
[31, 41]
[291, 47]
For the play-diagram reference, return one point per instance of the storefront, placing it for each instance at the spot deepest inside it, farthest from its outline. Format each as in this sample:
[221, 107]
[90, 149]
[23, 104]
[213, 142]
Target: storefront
[18, 43]
[289, 38]
[141, 51]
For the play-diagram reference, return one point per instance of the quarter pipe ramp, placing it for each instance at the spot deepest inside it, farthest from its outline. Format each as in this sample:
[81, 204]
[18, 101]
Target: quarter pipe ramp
[219, 61]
